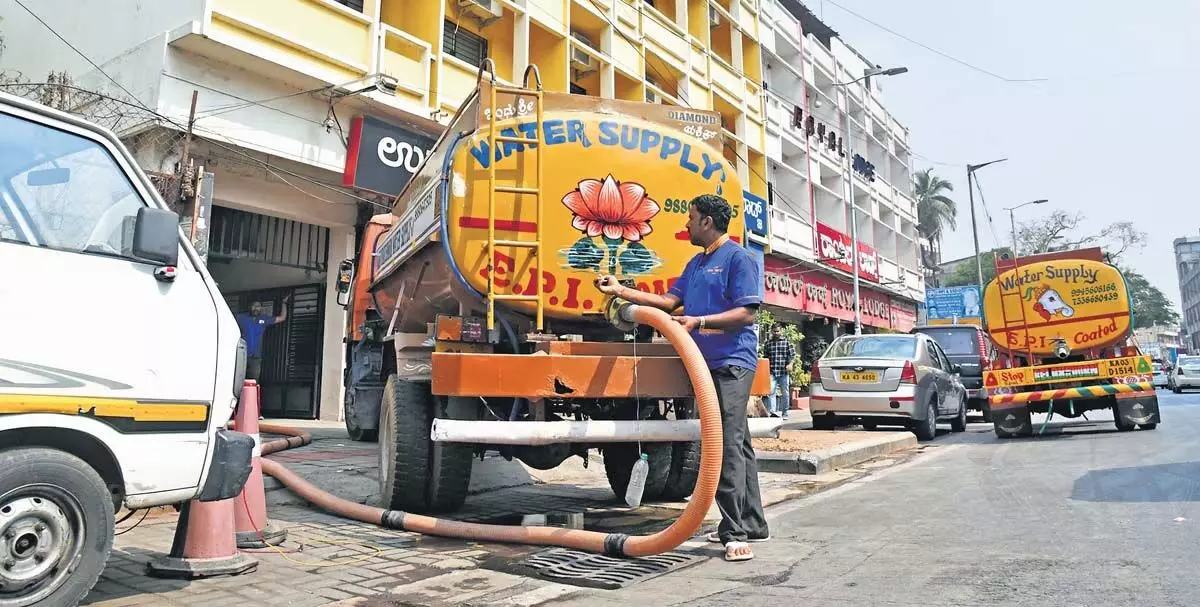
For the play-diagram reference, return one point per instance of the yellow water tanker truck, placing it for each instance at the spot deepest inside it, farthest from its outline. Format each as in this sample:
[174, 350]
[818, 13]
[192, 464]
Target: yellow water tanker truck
[474, 321]
[1062, 323]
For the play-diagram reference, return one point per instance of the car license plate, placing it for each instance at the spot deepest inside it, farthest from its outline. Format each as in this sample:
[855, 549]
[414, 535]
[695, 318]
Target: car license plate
[859, 377]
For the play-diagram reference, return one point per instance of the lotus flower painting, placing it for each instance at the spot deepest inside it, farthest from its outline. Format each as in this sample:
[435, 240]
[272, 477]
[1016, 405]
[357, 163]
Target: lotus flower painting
[619, 214]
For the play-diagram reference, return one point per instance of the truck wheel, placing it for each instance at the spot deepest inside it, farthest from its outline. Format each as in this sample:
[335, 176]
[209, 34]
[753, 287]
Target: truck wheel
[824, 422]
[985, 408]
[926, 429]
[685, 465]
[357, 433]
[56, 527]
[1149, 426]
[618, 466]
[1120, 422]
[417, 474]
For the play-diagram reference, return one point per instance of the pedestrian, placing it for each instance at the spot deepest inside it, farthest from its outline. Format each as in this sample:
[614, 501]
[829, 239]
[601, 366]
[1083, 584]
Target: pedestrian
[782, 355]
[253, 325]
[719, 292]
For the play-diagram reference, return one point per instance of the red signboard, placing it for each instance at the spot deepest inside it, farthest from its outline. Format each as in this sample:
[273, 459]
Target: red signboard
[904, 316]
[833, 247]
[830, 296]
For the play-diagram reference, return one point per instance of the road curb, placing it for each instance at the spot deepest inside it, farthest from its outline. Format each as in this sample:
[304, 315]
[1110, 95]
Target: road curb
[841, 456]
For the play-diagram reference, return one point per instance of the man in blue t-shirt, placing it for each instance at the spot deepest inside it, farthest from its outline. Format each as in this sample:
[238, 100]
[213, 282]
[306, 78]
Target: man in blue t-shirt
[253, 326]
[719, 293]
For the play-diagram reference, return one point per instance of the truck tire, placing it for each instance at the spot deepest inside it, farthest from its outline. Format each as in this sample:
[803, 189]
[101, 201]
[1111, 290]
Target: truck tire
[985, 408]
[357, 433]
[618, 466]
[55, 507]
[685, 463]
[926, 429]
[1120, 422]
[417, 474]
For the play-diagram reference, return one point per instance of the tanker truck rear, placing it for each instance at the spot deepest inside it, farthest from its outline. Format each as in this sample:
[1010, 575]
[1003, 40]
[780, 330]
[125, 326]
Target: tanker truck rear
[1062, 322]
[475, 323]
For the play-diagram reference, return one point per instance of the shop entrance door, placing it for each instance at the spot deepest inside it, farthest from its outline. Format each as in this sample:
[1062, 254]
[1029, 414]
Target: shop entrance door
[291, 360]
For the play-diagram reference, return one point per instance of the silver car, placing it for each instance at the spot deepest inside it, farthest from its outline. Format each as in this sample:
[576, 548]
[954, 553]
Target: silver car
[903, 380]
[1185, 375]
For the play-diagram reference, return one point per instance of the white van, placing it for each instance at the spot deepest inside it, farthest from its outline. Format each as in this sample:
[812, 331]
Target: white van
[120, 363]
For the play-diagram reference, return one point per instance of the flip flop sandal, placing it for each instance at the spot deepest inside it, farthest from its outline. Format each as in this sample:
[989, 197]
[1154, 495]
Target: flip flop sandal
[731, 557]
[715, 538]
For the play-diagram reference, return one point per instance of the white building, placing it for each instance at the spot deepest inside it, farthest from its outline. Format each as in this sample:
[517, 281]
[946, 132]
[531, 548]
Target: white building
[804, 63]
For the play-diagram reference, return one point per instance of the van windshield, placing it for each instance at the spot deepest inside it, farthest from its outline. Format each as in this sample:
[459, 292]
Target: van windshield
[871, 346]
[960, 341]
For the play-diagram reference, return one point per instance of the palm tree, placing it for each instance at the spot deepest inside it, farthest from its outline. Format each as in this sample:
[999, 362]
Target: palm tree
[935, 210]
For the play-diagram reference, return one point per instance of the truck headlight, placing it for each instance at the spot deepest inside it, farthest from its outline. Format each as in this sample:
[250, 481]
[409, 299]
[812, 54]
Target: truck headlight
[239, 369]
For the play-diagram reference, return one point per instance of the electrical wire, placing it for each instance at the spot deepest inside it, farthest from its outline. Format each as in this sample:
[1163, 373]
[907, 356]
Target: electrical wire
[322, 540]
[986, 212]
[936, 51]
[212, 137]
[145, 513]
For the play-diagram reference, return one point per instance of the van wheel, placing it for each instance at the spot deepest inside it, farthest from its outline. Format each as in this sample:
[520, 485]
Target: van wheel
[417, 474]
[56, 527]
[824, 422]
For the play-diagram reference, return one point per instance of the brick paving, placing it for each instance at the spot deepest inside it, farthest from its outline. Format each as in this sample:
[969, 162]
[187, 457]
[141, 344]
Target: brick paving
[332, 561]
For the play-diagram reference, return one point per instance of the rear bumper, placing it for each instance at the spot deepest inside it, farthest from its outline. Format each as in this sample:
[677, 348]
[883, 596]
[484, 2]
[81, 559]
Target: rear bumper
[899, 403]
[230, 467]
[1187, 381]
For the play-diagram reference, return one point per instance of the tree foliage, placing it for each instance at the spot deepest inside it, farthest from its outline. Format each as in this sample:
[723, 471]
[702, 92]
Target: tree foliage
[935, 210]
[1061, 232]
[1150, 306]
[966, 274]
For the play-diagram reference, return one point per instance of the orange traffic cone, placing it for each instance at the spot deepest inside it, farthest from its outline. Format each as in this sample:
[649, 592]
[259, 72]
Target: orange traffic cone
[252, 527]
[203, 545]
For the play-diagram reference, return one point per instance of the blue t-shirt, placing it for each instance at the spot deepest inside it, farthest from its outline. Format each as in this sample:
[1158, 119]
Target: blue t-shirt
[717, 282]
[252, 331]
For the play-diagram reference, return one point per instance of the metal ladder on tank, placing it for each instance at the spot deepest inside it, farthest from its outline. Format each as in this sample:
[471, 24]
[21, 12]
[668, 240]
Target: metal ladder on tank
[1004, 265]
[494, 139]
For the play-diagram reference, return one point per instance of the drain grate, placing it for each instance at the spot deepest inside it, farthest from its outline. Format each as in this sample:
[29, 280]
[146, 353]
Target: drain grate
[599, 571]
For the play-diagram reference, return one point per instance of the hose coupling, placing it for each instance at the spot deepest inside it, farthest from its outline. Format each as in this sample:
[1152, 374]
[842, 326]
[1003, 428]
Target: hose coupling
[619, 312]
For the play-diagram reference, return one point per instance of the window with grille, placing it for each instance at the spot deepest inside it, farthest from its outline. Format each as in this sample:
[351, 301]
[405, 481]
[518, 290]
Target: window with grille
[354, 4]
[462, 44]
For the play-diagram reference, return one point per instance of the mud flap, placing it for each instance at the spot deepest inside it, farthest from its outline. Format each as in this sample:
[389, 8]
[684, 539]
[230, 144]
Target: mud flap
[1140, 410]
[1012, 421]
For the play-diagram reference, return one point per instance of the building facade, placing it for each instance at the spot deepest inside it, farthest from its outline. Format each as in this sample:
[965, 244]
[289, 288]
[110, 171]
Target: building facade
[830, 142]
[1160, 341]
[1187, 268]
[287, 92]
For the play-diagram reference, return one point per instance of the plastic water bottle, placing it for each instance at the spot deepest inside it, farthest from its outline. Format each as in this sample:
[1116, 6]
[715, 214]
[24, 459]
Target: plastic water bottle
[637, 481]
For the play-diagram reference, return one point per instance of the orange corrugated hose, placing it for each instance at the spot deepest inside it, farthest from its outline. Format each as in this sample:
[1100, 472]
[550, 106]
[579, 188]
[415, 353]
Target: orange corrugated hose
[615, 544]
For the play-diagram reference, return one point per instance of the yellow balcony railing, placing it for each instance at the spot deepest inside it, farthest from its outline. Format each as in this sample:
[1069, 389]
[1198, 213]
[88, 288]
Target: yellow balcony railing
[457, 80]
[664, 37]
[408, 59]
[318, 37]
[725, 77]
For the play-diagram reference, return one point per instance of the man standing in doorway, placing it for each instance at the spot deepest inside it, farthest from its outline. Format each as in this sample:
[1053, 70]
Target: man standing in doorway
[782, 354]
[719, 293]
[253, 325]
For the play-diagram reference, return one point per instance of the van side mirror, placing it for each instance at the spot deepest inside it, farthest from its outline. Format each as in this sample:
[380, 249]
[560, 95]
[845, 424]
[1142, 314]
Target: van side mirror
[156, 236]
[345, 281]
[956, 369]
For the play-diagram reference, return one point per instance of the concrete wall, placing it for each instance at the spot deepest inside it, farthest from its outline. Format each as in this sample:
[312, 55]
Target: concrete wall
[101, 29]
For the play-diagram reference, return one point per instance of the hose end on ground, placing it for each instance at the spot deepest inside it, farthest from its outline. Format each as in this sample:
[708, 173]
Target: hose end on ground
[392, 519]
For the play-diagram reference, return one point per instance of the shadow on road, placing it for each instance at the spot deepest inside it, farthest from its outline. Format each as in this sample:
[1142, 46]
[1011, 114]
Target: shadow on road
[1179, 482]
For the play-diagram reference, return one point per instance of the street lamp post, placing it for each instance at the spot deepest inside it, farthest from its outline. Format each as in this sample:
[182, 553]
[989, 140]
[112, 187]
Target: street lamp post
[875, 71]
[1012, 220]
[971, 168]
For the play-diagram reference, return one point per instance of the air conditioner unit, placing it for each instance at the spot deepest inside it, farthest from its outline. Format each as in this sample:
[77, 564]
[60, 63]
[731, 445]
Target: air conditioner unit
[580, 59]
[714, 18]
[484, 10]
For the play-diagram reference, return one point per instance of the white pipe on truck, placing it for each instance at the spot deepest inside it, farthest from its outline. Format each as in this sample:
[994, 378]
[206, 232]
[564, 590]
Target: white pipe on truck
[595, 431]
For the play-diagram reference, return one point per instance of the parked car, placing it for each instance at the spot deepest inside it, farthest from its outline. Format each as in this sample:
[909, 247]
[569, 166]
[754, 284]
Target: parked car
[1185, 375]
[901, 380]
[1162, 373]
[971, 349]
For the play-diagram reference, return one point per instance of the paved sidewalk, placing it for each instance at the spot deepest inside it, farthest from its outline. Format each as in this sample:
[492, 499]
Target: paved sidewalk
[328, 559]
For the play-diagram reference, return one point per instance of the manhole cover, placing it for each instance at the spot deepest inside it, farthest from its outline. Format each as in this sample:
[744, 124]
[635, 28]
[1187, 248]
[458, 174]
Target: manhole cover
[596, 570]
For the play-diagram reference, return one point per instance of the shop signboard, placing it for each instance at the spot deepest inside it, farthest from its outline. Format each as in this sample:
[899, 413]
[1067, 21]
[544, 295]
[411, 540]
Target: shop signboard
[824, 295]
[383, 157]
[833, 247]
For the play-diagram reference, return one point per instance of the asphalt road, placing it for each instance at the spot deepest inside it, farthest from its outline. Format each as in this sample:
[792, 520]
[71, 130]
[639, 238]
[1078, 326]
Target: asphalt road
[1087, 517]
